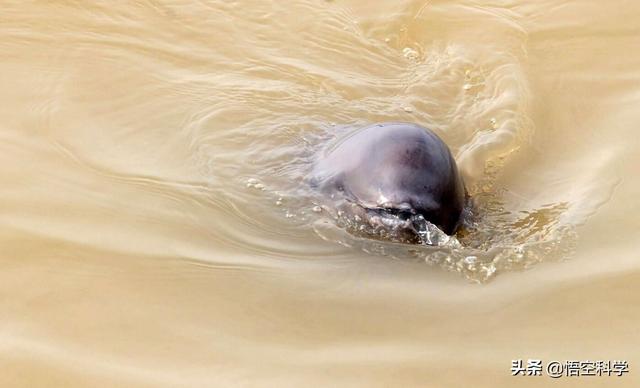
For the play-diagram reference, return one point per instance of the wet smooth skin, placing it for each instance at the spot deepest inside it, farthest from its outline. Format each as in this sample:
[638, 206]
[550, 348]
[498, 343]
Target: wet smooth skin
[401, 168]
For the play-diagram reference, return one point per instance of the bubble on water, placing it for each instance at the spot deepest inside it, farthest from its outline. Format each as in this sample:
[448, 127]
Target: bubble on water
[255, 184]
[487, 271]
[317, 209]
[493, 123]
[517, 254]
[410, 54]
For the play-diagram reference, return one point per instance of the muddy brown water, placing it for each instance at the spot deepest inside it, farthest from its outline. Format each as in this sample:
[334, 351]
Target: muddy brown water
[155, 229]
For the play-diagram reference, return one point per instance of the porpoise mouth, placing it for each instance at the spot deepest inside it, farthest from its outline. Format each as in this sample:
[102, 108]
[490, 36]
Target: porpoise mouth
[403, 214]
[407, 225]
[394, 220]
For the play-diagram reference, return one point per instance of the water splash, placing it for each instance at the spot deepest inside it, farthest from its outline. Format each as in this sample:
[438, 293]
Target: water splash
[431, 234]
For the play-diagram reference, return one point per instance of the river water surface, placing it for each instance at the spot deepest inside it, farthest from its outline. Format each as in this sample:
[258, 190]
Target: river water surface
[156, 227]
